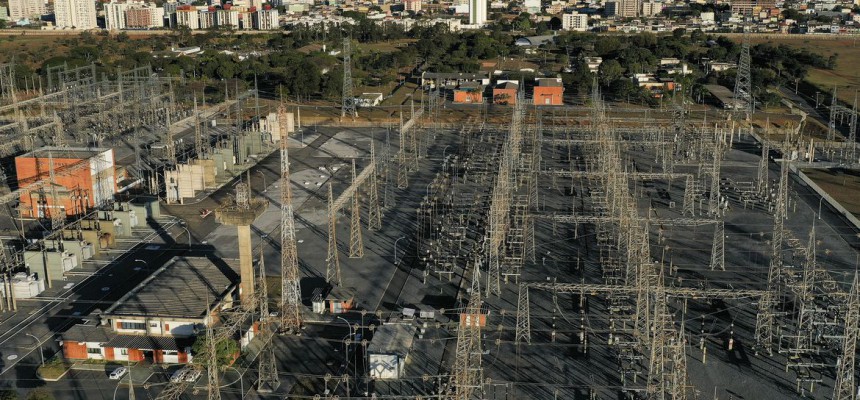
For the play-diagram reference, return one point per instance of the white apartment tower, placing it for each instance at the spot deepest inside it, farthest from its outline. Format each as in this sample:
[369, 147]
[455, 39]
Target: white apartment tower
[20, 9]
[574, 22]
[115, 16]
[267, 20]
[78, 14]
[477, 12]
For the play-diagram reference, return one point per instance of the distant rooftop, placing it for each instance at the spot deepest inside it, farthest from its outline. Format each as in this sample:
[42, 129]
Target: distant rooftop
[79, 153]
[185, 287]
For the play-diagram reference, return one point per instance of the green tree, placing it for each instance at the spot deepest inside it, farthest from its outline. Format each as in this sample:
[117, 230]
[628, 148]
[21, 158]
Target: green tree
[610, 71]
[225, 350]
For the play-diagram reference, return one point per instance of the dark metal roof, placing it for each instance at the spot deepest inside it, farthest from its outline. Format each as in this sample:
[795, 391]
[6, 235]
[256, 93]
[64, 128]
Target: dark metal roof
[141, 342]
[393, 339]
[180, 289]
[87, 333]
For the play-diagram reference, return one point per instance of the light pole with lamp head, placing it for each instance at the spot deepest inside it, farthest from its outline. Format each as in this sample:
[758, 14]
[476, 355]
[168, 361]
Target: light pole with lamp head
[264, 180]
[395, 248]
[39, 344]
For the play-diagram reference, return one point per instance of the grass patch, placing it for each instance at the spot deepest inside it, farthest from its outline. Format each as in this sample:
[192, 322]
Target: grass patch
[53, 369]
[846, 72]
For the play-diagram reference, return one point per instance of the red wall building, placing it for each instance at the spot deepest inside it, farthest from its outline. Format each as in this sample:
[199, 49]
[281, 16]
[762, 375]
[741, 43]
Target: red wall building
[549, 91]
[83, 177]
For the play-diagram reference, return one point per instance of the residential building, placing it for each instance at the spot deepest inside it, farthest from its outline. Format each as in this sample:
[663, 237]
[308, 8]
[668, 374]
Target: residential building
[574, 22]
[115, 17]
[188, 17]
[76, 14]
[505, 92]
[207, 18]
[651, 8]
[623, 8]
[21, 9]
[548, 91]
[267, 19]
[142, 18]
[477, 12]
[158, 320]
[532, 6]
[412, 5]
[746, 7]
[83, 178]
[593, 63]
[4, 13]
[227, 18]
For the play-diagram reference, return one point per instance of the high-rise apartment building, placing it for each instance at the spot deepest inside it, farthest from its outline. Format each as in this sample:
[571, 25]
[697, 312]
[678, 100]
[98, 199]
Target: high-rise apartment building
[574, 22]
[267, 19]
[77, 14]
[623, 8]
[477, 12]
[20, 9]
[115, 17]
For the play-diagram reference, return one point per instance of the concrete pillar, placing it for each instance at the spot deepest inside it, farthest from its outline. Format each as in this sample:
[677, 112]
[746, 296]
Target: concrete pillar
[246, 264]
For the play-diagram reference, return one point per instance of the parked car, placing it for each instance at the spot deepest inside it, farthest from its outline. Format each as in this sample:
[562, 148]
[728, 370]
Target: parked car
[118, 373]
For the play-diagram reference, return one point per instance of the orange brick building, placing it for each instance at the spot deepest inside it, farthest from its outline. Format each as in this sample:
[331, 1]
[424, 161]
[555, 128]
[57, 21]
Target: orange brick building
[84, 178]
[505, 93]
[549, 91]
[469, 93]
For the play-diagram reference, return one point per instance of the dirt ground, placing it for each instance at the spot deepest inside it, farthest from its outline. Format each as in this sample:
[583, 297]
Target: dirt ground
[842, 184]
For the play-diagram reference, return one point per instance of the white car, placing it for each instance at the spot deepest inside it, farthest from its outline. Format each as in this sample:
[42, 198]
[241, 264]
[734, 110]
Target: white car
[118, 373]
[192, 375]
[178, 375]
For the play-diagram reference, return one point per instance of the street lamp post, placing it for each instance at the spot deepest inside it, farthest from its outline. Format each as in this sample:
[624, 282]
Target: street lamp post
[264, 180]
[185, 226]
[39, 344]
[395, 248]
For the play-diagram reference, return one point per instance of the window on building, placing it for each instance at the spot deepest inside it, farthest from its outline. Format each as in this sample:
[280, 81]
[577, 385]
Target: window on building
[153, 324]
[170, 352]
[132, 325]
[94, 350]
[123, 352]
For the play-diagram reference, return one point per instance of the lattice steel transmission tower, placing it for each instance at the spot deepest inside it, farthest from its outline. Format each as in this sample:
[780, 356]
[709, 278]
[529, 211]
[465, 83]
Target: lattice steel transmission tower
[744, 101]
[374, 214]
[831, 127]
[852, 132]
[348, 107]
[332, 269]
[213, 385]
[291, 295]
[356, 245]
[843, 388]
[468, 373]
[766, 313]
[267, 377]
[762, 183]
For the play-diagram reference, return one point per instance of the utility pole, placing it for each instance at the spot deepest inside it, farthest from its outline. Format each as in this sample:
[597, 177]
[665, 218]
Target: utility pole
[468, 373]
[291, 319]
